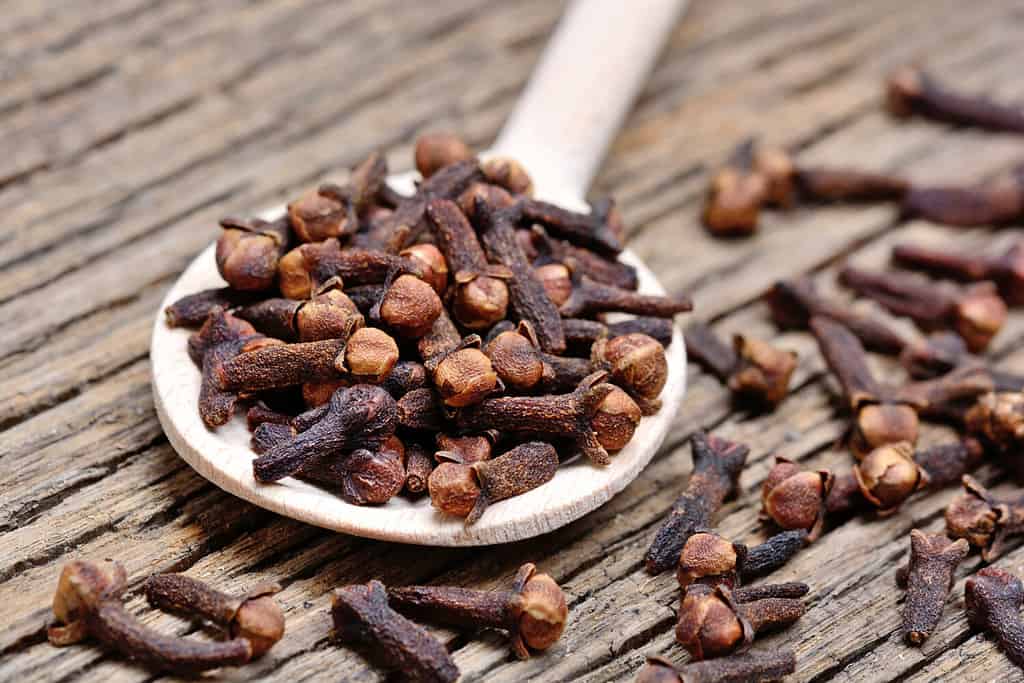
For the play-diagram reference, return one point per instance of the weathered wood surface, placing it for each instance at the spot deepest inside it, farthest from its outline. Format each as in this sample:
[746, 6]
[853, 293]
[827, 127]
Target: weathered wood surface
[130, 126]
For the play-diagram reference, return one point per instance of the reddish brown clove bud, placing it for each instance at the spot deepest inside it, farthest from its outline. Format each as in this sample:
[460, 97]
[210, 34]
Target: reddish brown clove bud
[491, 195]
[364, 476]
[249, 252]
[616, 420]
[735, 195]
[432, 263]
[556, 280]
[711, 559]
[434, 151]
[794, 498]
[590, 297]
[1006, 269]
[754, 370]
[637, 363]
[987, 522]
[508, 174]
[465, 376]
[316, 217]
[465, 450]
[306, 269]
[192, 310]
[789, 182]
[532, 609]
[998, 418]
[543, 249]
[888, 475]
[468, 490]
[418, 466]
[929, 578]
[409, 307]
[993, 598]
[328, 315]
[910, 91]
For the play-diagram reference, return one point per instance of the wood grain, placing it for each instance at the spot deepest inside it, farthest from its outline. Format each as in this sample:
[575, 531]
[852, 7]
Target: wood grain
[129, 127]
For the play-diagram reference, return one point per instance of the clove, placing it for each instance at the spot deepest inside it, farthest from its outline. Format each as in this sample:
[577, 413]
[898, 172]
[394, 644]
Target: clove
[328, 315]
[192, 310]
[750, 666]
[306, 269]
[580, 334]
[434, 151]
[409, 306]
[532, 609]
[766, 557]
[993, 598]
[361, 416]
[712, 624]
[333, 210]
[735, 195]
[590, 297]
[361, 615]
[88, 603]
[465, 377]
[987, 522]
[547, 250]
[249, 253]
[468, 490]
[598, 230]
[253, 615]
[362, 477]
[753, 369]
[794, 498]
[574, 415]
[911, 91]
[976, 312]
[508, 174]
[527, 294]
[418, 466]
[480, 296]
[420, 410]
[713, 560]
[405, 376]
[789, 182]
[717, 463]
[1006, 269]
[792, 589]
[997, 201]
[929, 578]
[433, 264]
[998, 417]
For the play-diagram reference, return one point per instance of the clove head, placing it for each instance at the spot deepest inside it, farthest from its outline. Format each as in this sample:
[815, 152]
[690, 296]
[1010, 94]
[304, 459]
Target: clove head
[509, 174]
[260, 621]
[557, 281]
[465, 450]
[369, 355]
[709, 558]
[479, 302]
[434, 151]
[82, 586]
[888, 475]
[637, 363]
[516, 359]
[465, 377]
[763, 371]
[328, 315]
[615, 420]
[492, 195]
[794, 498]
[410, 306]
[374, 477]
[880, 424]
[979, 314]
[999, 418]
[902, 89]
[733, 202]
[433, 264]
[542, 610]
[709, 625]
[779, 172]
[248, 254]
[976, 516]
[453, 488]
[316, 217]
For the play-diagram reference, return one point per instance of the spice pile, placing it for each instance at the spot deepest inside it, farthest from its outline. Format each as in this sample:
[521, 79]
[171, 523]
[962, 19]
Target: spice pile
[451, 341]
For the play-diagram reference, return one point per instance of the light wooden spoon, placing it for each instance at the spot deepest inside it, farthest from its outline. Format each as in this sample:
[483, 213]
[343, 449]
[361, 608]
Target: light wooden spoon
[574, 103]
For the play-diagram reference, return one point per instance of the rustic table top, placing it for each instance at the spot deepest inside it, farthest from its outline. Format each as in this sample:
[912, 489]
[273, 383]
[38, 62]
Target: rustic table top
[130, 126]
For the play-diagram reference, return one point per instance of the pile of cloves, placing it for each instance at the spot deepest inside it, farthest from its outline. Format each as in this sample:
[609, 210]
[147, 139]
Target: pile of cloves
[369, 332]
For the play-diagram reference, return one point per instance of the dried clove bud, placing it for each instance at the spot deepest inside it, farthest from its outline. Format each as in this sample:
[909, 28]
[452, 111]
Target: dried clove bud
[509, 174]
[409, 307]
[888, 475]
[993, 598]
[468, 490]
[716, 468]
[710, 559]
[929, 578]
[362, 416]
[794, 498]
[583, 333]
[306, 269]
[405, 376]
[994, 202]
[361, 615]
[735, 195]
[543, 250]
[987, 522]
[574, 416]
[88, 603]
[590, 297]
[192, 310]
[369, 355]
[526, 292]
[464, 450]
[480, 296]
[789, 181]
[712, 624]
[432, 263]
[364, 476]
[418, 466]
[637, 363]
[249, 252]
[754, 370]
[599, 231]
[328, 315]
[269, 435]
[492, 195]
[910, 91]
[1006, 269]
[316, 216]
[556, 279]
[791, 589]
[253, 615]
[998, 418]
[532, 609]
[434, 151]
[517, 359]
[420, 409]
[616, 420]
[465, 377]
[747, 667]
[768, 556]
[976, 312]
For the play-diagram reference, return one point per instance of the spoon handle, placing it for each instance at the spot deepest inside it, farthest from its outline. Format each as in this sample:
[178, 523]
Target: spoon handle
[581, 90]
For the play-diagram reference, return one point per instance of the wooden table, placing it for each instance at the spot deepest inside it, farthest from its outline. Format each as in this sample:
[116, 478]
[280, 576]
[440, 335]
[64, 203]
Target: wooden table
[131, 126]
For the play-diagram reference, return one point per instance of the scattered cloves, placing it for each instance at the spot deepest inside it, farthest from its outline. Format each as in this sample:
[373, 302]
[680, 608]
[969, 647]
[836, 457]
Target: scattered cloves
[717, 463]
[361, 615]
[1006, 269]
[532, 609]
[987, 522]
[253, 615]
[929, 578]
[993, 598]
[753, 369]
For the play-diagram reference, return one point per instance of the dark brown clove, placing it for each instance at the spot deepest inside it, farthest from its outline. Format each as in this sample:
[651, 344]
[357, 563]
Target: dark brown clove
[532, 609]
[418, 466]
[564, 415]
[268, 435]
[328, 315]
[362, 416]
[636, 363]
[509, 174]
[1006, 269]
[590, 297]
[465, 377]
[775, 552]
[581, 333]
[712, 624]
[361, 615]
[998, 417]
[333, 210]
[253, 615]
[480, 296]
[747, 667]
[993, 598]
[596, 230]
[405, 376]
[88, 604]
[717, 463]
[976, 312]
[260, 412]
[364, 476]
[987, 522]
[432, 263]
[420, 410]
[710, 559]
[434, 151]
[753, 369]
[997, 201]
[735, 195]
[616, 420]
[911, 91]
[249, 252]
[192, 310]
[222, 338]
[468, 490]
[929, 578]
[526, 292]
[554, 251]
[794, 498]
[790, 182]
[409, 307]
[304, 270]
[464, 450]
[792, 589]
